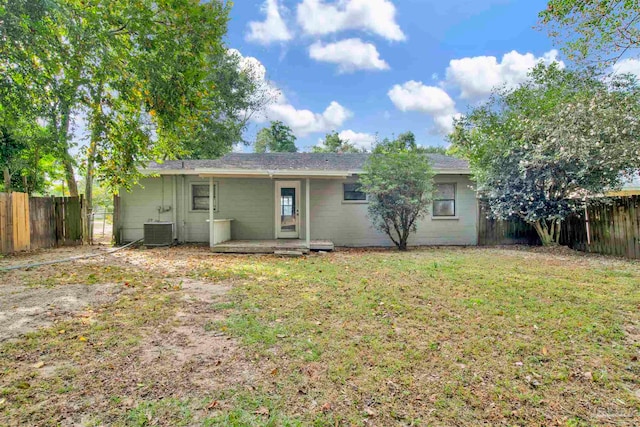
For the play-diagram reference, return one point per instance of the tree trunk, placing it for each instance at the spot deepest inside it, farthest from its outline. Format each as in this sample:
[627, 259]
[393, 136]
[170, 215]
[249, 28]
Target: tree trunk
[70, 176]
[549, 235]
[88, 195]
[63, 144]
[7, 180]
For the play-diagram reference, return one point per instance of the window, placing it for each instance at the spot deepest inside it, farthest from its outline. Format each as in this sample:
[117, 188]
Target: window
[352, 192]
[444, 200]
[200, 197]
[287, 201]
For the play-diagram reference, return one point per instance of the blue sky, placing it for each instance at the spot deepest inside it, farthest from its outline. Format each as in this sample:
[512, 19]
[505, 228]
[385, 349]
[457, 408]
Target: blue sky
[363, 67]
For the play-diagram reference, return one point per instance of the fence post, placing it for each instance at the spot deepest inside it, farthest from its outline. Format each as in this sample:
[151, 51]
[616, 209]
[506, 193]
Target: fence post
[6, 224]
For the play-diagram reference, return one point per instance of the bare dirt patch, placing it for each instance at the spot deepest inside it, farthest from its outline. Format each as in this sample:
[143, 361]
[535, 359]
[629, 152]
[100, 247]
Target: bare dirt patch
[189, 341]
[25, 309]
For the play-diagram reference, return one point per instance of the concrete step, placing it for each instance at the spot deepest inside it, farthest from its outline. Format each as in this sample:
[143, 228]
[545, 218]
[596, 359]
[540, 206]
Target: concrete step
[288, 253]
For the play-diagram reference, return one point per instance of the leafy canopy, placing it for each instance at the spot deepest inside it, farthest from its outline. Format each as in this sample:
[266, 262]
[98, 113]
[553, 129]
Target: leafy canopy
[602, 29]
[277, 138]
[398, 179]
[537, 150]
[147, 76]
[334, 144]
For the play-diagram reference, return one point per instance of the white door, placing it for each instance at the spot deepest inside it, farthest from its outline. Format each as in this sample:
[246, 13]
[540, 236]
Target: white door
[287, 209]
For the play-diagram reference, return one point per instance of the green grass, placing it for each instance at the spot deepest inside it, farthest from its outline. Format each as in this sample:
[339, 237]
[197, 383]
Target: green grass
[429, 337]
[447, 336]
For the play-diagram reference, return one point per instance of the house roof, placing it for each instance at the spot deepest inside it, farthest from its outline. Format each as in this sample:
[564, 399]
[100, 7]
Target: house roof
[303, 164]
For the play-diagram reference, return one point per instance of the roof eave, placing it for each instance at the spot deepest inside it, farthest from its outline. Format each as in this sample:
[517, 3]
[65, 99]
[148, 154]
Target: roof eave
[277, 173]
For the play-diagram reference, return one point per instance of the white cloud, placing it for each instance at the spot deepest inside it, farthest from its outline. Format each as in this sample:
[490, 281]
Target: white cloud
[317, 18]
[302, 122]
[431, 100]
[628, 66]
[350, 55]
[415, 96]
[477, 76]
[360, 140]
[444, 123]
[305, 122]
[272, 29]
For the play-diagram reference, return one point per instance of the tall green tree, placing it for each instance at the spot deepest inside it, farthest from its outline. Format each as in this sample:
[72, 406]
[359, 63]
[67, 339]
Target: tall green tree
[240, 93]
[11, 149]
[277, 138]
[398, 179]
[334, 144]
[537, 151]
[603, 30]
[138, 70]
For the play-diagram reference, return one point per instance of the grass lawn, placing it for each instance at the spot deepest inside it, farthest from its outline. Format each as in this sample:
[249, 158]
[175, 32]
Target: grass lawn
[430, 337]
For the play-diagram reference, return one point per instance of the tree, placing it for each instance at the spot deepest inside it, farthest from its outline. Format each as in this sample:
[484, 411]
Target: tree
[398, 179]
[25, 160]
[436, 150]
[538, 150]
[240, 93]
[10, 150]
[604, 29]
[140, 73]
[277, 138]
[334, 144]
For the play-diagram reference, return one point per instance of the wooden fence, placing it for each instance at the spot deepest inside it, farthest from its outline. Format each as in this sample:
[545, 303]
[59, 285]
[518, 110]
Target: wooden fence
[68, 218]
[614, 228]
[6, 224]
[28, 223]
[496, 232]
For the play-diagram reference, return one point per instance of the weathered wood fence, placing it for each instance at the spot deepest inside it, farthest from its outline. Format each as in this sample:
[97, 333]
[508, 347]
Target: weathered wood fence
[28, 223]
[613, 228]
[493, 232]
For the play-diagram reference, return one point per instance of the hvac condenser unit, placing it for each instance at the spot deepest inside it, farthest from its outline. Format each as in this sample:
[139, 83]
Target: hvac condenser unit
[158, 233]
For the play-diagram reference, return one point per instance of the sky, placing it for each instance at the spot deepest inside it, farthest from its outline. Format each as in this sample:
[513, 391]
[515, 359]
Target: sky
[382, 67]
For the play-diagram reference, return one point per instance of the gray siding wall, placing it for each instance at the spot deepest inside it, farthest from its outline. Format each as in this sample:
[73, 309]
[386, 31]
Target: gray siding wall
[251, 204]
[347, 223]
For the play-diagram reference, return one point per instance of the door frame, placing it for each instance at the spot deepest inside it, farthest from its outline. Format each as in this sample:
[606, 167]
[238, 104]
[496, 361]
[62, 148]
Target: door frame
[285, 234]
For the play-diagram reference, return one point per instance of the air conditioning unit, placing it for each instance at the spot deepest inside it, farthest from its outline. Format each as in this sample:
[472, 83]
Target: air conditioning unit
[158, 234]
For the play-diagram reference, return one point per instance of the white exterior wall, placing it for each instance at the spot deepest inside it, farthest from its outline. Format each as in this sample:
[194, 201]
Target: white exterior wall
[251, 204]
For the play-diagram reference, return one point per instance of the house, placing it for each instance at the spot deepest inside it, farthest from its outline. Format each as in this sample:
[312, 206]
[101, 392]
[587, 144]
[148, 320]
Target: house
[301, 200]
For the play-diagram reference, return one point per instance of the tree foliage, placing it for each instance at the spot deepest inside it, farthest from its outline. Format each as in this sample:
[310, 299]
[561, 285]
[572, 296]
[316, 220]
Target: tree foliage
[277, 138]
[139, 71]
[334, 144]
[538, 150]
[602, 29]
[398, 179]
[240, 93]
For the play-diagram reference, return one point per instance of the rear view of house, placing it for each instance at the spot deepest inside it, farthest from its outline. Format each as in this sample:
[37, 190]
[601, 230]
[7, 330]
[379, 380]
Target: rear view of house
[305, 199]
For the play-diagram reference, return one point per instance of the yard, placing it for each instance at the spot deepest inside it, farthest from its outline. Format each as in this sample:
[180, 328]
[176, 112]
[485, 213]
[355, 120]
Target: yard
[438, 336]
